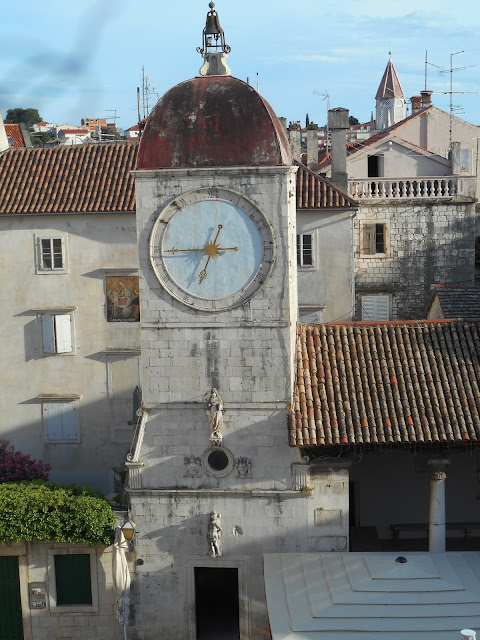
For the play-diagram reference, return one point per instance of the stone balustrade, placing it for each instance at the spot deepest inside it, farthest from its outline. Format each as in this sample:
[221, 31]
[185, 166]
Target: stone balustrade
[418, 187]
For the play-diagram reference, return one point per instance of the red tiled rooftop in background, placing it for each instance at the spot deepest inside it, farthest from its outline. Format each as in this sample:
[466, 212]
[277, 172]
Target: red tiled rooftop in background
[97, 178]
[76, 179]
[389, 383]
[13, 131]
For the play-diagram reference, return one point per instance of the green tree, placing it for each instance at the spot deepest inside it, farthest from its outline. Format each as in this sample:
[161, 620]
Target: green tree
[353, 120]
[40, 139]
[28, 116]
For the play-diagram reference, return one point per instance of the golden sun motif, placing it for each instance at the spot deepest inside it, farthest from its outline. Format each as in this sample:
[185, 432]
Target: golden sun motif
[211, 249]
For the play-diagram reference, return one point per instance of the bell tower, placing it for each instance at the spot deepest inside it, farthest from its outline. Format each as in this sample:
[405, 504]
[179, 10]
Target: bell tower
[210, 471]
[390, 99]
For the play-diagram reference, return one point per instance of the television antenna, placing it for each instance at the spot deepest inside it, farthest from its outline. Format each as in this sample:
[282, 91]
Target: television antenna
[325, 95]
[454, 108]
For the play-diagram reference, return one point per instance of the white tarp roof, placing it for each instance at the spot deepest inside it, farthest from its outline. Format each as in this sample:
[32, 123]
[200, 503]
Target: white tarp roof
[370, 596]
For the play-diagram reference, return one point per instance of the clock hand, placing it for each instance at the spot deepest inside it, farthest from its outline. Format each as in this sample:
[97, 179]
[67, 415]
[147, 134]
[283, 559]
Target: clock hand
[211, 249]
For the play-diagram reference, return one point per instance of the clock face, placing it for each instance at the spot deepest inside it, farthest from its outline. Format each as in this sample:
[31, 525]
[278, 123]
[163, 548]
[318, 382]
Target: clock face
[212, 249]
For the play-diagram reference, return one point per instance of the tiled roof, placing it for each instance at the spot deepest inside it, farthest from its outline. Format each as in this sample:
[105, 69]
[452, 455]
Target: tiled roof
[97, 178]
[390, 84]
[387, 383]
[80, 179]
[458, 302]
[314, 192]
[14, 132]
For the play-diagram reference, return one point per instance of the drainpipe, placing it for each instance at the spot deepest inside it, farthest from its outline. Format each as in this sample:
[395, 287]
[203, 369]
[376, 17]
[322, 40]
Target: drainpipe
[436, 524]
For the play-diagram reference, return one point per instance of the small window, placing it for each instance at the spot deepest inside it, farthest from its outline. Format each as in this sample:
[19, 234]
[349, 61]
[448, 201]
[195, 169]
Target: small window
[464, 160]
[51, 255]
[305, 250]
[373, 239]
[60, 421]
[72, 579]
[375, 308]
[57, 333]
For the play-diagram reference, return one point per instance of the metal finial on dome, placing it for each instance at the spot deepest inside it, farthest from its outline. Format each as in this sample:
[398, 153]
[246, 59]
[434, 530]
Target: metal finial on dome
[213, 38]
[214, 50]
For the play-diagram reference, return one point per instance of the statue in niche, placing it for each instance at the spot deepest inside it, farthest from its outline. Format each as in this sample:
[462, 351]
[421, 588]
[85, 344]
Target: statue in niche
[213, 535]
[193, 467]
[215, 405]
[244, 467]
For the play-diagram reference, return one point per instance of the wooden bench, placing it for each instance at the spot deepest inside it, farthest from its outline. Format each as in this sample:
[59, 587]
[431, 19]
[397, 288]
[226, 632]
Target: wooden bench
[465, 528]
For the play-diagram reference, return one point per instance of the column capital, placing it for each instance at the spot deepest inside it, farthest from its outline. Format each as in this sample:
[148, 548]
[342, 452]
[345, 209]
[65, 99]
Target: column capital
[438, 468]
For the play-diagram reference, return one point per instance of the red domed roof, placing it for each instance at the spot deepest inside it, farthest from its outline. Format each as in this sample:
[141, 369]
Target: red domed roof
[216, 121]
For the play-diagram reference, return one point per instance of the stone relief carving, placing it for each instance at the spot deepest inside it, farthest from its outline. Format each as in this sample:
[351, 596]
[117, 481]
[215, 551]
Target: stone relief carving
[193, 467]
[213, 535]
[244, 467]
[215, 404]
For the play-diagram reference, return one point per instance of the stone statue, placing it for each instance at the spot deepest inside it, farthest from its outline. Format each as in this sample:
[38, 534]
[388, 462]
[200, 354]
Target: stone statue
[215, 404]
[213, 535]
[244, 467]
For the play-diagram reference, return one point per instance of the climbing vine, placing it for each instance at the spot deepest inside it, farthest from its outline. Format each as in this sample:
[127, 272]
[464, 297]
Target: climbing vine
[52, 512]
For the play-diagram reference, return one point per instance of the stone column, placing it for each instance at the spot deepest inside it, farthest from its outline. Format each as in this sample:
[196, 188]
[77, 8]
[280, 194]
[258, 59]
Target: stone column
[436, 525]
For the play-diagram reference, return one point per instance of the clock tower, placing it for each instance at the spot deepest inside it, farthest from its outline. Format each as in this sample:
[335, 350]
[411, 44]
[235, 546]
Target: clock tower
[210, 469]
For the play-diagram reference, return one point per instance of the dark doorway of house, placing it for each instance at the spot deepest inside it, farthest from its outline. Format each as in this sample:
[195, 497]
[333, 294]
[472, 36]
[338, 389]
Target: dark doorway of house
[373, 166]
[11, 627]
[216, 603]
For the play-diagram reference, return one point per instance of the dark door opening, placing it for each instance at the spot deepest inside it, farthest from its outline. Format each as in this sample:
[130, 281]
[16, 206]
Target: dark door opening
[11, 626]
[373, 167]
[216, 603]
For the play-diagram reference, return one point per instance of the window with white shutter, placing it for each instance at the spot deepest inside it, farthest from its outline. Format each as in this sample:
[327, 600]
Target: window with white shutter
[305, 250]
[60, 421]
[57, 333]
[375, 308]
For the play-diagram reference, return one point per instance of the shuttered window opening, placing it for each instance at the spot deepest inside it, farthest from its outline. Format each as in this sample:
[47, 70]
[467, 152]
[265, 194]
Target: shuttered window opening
[304, 250]
[60, 421]
[57, 333]
[51, 254]
[375, 308]
[373, 239]
[73, 579]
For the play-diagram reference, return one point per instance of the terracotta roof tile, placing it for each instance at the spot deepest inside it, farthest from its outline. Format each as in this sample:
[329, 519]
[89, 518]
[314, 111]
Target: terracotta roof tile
[387, 383]
[14, 132]
[314, 192]
[80, 179]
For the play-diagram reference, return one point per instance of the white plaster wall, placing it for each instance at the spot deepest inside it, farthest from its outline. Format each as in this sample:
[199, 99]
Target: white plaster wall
[325, 289]
[94, 243]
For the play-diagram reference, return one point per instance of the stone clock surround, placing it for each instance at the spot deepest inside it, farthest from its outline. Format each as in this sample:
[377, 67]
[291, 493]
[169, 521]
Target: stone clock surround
[186, 352]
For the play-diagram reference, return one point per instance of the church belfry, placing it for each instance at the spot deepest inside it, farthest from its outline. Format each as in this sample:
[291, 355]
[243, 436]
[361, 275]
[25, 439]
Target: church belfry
[390, 99]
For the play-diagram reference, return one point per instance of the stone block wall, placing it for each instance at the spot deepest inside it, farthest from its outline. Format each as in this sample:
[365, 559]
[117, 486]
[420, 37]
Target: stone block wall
[428, 242]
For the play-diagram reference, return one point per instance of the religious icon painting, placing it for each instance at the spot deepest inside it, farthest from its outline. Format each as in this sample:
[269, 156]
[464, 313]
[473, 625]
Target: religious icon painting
[122, 299]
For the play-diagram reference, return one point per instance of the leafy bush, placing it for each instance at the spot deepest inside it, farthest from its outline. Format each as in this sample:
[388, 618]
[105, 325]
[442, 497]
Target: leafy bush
[54, 512]
[16, 466]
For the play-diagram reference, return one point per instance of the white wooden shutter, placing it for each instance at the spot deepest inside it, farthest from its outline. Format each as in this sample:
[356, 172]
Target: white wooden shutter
[375, 308]
[48, 334]
[60, 421]
[63, 333]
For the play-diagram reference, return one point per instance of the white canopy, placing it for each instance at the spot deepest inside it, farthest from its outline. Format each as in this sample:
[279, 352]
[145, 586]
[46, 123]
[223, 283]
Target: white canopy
[372, 596]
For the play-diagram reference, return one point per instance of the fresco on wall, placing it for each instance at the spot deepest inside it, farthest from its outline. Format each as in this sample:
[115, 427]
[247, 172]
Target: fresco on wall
[122, 299]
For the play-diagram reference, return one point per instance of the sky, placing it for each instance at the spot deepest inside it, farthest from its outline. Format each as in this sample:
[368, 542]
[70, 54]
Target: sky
[74, 60]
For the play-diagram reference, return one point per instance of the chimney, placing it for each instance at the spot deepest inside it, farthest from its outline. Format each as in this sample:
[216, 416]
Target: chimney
[416, 104]
[283, 122]
[312, 145]
[295, 137]
[3, 136]
[338, 125]
[426, 99]
[455, 160]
